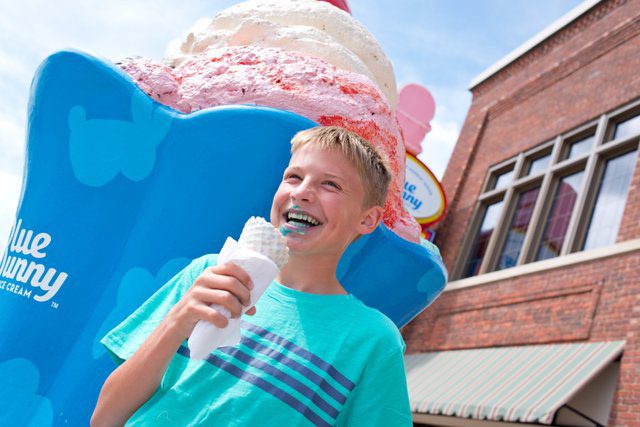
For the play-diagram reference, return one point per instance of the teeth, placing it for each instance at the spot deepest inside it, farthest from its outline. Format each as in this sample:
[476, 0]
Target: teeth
[295, 215]
[299, 224]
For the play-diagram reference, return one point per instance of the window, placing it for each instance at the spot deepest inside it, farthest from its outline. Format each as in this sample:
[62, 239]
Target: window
[539, 165]
[563, 196]
[612, 195]
[557, 224]
[518, 228]
[503, 179]
[627, 128]
[489, 222]
[580, 147]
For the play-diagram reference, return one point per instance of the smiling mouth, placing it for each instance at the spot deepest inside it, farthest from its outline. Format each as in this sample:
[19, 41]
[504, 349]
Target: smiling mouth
[300, 219]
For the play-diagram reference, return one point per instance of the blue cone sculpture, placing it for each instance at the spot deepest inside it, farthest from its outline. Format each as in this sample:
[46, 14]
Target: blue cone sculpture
[119, 194]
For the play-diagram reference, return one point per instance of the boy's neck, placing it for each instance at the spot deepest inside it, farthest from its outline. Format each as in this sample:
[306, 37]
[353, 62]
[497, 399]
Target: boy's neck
[315, 275]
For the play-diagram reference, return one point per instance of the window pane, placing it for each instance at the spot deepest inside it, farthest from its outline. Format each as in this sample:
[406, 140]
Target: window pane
[580, 147]
[518, 229]
[627, 128]
[503, 179]
[539, 164]
[491, 215]
[609, 206]
[558, 220]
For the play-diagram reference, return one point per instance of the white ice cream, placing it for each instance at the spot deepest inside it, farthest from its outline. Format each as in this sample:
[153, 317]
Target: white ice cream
[310, 27]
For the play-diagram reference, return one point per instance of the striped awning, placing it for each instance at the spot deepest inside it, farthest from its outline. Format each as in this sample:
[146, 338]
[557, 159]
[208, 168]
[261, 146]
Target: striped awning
[516, 384]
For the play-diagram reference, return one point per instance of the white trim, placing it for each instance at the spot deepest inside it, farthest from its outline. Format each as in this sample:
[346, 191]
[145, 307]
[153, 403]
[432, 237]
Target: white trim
[563, 21]
[444, 420]
[548, 264]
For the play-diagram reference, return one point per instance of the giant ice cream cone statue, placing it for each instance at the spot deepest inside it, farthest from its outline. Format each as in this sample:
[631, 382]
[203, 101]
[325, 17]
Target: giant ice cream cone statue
[303, 56]
[130, 174]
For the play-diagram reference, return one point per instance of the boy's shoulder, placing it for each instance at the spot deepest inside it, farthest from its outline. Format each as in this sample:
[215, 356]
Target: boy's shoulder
[380, 327]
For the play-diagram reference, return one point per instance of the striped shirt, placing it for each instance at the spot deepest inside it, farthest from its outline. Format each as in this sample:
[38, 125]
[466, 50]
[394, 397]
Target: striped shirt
[304, 360]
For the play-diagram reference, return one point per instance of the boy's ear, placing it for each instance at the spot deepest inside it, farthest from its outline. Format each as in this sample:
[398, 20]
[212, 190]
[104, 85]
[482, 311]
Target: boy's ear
[370, 219]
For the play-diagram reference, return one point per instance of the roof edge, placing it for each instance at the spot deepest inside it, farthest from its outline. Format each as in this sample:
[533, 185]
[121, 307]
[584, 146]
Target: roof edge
[550, 30]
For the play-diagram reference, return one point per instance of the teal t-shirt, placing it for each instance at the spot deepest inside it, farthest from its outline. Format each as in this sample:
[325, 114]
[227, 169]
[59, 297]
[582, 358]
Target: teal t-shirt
[304, 360]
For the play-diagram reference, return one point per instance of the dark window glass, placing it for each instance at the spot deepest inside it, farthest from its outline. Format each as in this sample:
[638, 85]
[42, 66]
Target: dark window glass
[580, 147]
[610, 202]
[555, 229]
[518, 229]
[491, 215]
[627, 128]
[538, 165]
[503, 179]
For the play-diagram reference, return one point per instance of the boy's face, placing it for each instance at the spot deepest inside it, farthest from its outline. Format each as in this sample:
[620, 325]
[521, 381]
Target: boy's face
[326, 187]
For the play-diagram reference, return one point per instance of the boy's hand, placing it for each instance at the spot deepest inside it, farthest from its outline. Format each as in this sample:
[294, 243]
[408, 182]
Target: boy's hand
[227, 285]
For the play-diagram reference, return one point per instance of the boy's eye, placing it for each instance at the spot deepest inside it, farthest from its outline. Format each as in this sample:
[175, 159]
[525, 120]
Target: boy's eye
[292, 176]
[333, 184]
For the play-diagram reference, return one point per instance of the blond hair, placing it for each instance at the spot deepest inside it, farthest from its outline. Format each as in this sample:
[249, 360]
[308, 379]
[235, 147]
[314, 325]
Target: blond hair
[372, 167]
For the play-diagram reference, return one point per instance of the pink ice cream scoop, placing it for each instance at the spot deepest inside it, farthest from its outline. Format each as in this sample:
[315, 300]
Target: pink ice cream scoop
[287, 80]
[304, 56]
[155, 79]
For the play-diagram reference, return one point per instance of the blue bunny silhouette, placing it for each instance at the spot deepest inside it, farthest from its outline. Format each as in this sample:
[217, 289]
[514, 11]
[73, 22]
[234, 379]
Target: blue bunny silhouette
[100, 149]
[22, 406]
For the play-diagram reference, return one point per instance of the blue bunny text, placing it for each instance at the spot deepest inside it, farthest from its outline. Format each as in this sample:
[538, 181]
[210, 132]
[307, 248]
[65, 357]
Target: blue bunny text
[15, 267]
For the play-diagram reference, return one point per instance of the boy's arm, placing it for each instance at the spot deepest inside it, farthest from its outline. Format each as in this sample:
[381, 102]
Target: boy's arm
[380, 398]
[137, 379]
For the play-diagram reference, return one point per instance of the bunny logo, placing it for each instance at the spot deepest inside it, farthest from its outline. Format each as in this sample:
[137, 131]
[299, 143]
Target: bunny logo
[19, 271]
[102, 148]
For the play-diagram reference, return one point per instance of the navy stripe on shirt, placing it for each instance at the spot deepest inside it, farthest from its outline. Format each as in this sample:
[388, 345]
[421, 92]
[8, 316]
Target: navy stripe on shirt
[284, 377]
[325, 366]
[294, 365]
[264, 385]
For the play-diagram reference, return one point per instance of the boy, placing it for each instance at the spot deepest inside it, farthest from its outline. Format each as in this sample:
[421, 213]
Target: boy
[311, 353]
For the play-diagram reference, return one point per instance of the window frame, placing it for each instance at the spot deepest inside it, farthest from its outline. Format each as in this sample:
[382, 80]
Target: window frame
[510, 212]
[592, 163]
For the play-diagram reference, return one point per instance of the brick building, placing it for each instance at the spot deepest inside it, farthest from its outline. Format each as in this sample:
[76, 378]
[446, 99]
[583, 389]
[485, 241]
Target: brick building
[540, 322]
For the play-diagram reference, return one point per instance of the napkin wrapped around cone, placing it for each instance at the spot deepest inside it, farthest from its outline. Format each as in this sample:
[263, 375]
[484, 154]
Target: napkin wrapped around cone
[261, 251]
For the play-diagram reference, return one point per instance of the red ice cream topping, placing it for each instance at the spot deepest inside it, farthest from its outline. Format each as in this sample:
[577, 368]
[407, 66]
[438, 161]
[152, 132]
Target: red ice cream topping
[290, 81]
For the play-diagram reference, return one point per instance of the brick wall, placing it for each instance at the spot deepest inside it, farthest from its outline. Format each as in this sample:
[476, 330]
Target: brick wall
[588, 68]
[593, 301]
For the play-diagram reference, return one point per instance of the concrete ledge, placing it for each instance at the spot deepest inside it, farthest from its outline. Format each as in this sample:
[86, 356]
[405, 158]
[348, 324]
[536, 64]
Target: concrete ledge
[548, 264]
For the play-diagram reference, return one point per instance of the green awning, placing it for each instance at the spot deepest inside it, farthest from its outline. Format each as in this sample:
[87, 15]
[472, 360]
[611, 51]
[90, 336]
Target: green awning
[515, 384]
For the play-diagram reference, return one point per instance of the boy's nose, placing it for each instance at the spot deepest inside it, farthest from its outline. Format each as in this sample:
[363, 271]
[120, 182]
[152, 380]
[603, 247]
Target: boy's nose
[303, 192]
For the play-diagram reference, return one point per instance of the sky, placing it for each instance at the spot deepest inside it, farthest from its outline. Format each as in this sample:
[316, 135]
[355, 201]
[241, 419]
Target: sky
[440, 44]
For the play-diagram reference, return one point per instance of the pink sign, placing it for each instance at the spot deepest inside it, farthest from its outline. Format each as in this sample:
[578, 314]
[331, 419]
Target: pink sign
[416, 109]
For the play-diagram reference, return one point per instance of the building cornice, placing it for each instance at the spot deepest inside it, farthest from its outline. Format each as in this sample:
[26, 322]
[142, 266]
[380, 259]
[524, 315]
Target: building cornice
[534, 41]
